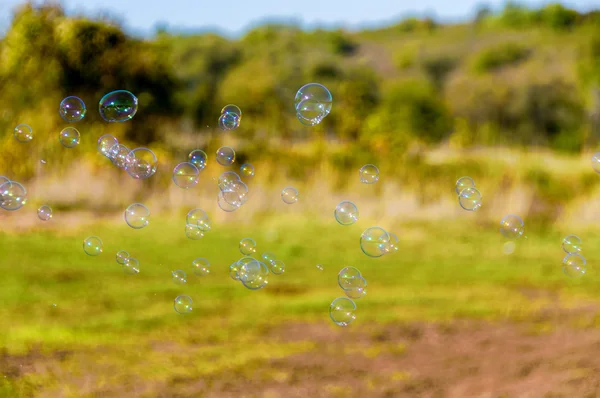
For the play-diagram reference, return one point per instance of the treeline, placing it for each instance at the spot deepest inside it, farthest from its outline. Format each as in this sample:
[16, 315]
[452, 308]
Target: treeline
[520, 76]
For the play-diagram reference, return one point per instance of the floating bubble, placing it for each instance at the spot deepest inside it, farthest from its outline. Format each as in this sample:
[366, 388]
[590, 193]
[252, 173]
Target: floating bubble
[247, 246]
[369, 174]
[313, 103]
[193, 232]
[347, 276]
[122, 257]
[229, 121]
[183, 304]
[374, 241]
[226, 179]
[200, 218]
[106, 143]
[571, 244]
[13, 196]
[131, 266]
[233, 271]
[236, 193]
[185, 175]
[463, 183]
[201, 267]
[198, 158]
[23, 133]
[342, 311]
[470, 199]
[225, 205]
[346, 213]
[574, 265]
[92, 246]
[269, 257]
[358, 289]
[42, 161]
[393, 244]
[44, 213]
[232, 109]
[137, 216]
[320, 267]
[225, 156]
[512, 226]
[258, 279]
[69, 137]
[119, 155]
[277, 267]
[72, 109]
[247, 170]
[118, 106]
[289, 195]
[248, 268]
[142, 163]
[179, 277]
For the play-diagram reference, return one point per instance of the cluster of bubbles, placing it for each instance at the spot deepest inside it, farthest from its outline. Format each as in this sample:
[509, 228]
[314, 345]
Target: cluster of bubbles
[230, 118]
[312, 103]
[13, 194]
[252, 272]
[574, 264]
[469, 197]
[376, 242]
[352, 282]
[197, 223]
[512, 228]
[233, 192]
[131, 266]
[140, 163]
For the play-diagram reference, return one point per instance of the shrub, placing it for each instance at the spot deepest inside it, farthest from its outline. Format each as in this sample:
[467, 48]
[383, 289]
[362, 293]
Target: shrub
[500, 56]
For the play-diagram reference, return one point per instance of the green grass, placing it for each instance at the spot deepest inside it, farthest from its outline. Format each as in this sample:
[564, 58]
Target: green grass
[443, 271]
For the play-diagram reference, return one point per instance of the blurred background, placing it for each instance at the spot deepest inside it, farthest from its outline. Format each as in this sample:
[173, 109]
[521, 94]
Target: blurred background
[506, 93]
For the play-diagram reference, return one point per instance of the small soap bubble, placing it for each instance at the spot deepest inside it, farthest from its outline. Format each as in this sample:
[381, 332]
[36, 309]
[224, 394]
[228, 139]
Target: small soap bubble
[183, 304]
[179, 277]
[463, 183]
[225, 205]
[200, 218]
[225, 156]
[23, 133]
[312, 103]
[226, 179]
[233, 109]
[141, 163]
[247, 170]
[269, 257]
[122, 257]
[470, 199]
[44, 213]
[358, 289]
[228, 121]
[369, 174]
[105, 145]
[72, 109]
[119, 155]
[234, 271]
[257, 280]
[342, 311]
[320, 267]
[193, 232]
[277, 267]
[92, 246]
[574, 265]
[131, 266]
[198, 157]
[185, 175]
[374, 241]
[347, 276]
[393, 245]
[289, 195]
[13, 195]
[42, 161]
[571, 244]
[346, 213]
[512, 227]
[247, 246]
[201, 267]
[69, 137]
[118, 106]
[137, 216]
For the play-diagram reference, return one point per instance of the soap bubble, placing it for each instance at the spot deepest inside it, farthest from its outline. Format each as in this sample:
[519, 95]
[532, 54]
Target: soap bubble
[200, 218]
[201, 267]
[320, 267]
[193, 232]
[346, 213]
[198, 157]
[131, 266]
[179, 277]
[277, 267]
[44, 213]
[269, 257]
[470, 199]
[122, 257]
[142, 163]
[347, 276]
[72, 109]
[289, 195]
[233, 271]
[13, 196]
[228, 121]
[233, 109]
[247, 246]
[236, 193]
[247, 170]
[369, 174]
[183, 304]
[118, 106]
[312, 103]
[225, 205]
[185, 175]
[393, 244]
[342, 311]
[225, 156]
[23, 133]
[119, 155]
[374, 241]
[226, 179]
[69, 137]
[358, 289]
[92, 246]
[574, 265]
[512, 226]
[248, 268]
[137, 216]
[257, 279]
[571, 244]
[463, 183]
[105, 145]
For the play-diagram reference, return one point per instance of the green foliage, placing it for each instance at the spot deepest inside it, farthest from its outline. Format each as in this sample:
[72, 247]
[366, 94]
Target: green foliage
[499, 56]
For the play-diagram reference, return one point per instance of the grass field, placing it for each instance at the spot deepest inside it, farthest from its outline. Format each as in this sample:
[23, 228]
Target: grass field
[77, 326]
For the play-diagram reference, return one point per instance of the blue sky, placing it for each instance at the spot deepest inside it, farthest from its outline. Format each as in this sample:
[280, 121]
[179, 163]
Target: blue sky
[233, 17]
